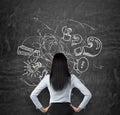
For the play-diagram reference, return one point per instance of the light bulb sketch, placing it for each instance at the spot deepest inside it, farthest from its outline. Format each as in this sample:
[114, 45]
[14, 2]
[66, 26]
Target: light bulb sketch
[69, 37]
[31, 67]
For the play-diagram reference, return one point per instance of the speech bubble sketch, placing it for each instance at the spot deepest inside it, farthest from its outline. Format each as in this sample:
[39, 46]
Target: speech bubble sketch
[69, 37]
[93, 46]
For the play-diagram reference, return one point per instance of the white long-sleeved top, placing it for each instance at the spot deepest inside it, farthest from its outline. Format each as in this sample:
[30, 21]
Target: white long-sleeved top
[63, 95]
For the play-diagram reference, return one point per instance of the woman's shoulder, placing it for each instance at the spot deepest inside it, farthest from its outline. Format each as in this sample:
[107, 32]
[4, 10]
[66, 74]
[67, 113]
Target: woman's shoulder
[46, 76]
[72, 75]
[74, 78]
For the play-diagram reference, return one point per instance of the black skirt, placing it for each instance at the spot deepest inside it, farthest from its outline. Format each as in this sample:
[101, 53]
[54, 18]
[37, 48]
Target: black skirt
[60, 109]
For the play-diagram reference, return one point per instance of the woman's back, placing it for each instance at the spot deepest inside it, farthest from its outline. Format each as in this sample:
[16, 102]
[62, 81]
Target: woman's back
[63, 95]
[60, 84]
[60, 95]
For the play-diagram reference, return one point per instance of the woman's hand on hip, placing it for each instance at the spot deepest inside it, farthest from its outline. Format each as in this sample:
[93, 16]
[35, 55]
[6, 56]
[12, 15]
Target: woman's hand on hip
[76, 109]
[44, 109]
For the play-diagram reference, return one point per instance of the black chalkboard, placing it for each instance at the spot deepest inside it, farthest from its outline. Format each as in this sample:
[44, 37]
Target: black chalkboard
[86, 31]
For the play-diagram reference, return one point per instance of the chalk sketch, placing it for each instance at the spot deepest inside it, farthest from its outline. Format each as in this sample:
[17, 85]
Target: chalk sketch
[69, 37]
[81, 65]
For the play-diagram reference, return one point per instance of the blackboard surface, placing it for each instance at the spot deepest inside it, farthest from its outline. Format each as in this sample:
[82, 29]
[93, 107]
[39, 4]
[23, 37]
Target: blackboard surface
[21, 22]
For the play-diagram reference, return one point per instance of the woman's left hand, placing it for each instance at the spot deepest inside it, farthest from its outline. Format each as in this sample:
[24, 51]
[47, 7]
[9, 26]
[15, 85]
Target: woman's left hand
[44, 109]
[76, 109]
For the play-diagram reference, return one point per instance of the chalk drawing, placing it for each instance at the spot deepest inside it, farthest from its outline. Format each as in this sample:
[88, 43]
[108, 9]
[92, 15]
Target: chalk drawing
[93, 47]
[69, 37]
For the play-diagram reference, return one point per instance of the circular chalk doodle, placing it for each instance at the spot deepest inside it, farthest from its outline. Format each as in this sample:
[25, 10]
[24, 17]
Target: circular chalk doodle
[82, 64]
[69, 37]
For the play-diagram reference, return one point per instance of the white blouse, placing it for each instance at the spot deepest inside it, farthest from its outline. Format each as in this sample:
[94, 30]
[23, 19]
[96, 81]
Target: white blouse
[63, 95]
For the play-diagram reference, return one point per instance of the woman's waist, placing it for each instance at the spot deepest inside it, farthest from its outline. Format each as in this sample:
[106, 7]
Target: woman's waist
[60, 99]
[60, 103]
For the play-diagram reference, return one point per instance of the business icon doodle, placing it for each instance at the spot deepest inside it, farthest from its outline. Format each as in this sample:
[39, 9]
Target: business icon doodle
[69, 37]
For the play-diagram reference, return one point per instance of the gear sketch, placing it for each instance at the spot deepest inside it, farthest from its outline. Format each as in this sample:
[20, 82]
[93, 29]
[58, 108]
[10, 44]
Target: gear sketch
[69, 37]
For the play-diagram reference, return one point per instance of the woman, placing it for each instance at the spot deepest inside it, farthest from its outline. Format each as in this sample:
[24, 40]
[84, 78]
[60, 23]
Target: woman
[60, 84]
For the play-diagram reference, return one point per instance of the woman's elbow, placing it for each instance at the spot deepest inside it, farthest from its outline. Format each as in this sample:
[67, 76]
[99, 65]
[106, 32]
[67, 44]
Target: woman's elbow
[31, 96]
[90, 95]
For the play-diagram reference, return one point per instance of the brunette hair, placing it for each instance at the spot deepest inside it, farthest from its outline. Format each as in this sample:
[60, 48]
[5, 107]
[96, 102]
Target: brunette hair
[59, 76]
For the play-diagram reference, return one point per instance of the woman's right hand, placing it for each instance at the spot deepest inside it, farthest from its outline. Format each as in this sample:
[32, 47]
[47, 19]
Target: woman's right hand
[44, 109]
[76, 109]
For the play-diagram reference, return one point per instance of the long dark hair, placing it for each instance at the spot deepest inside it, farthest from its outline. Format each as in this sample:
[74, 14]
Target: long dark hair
[59, 76]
